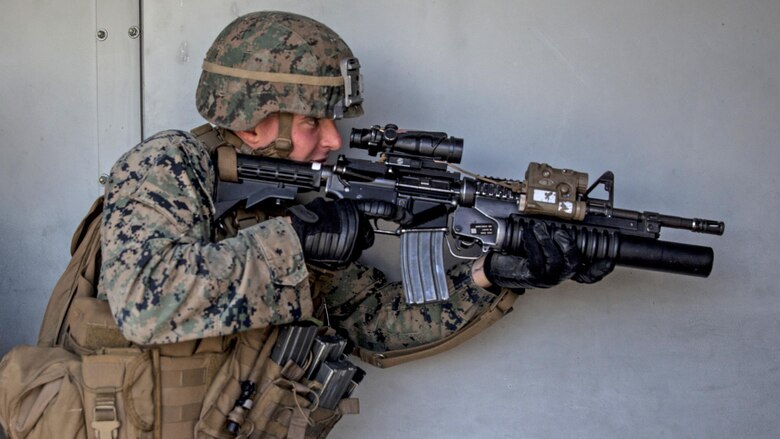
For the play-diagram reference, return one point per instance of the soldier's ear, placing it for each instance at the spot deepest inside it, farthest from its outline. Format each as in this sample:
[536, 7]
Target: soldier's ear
[251, 138]
[262, 134]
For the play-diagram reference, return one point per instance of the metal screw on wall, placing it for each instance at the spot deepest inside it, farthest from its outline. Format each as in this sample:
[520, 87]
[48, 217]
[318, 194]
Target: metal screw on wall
[102, 34]
[103, 179]
[133, 32]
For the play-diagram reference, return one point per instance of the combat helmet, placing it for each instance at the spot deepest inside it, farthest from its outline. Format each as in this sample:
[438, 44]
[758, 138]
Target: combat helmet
[268, 62]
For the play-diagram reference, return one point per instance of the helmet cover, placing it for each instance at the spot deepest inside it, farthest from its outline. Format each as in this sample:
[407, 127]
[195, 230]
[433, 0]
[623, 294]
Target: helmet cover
[267, 62]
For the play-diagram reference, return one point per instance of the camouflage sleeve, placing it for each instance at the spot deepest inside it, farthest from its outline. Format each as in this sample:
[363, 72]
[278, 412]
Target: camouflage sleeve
[164, 279]
[373, 312]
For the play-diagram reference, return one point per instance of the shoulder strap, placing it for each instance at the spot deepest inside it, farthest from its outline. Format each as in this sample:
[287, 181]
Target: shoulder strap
[225, 152]
[209, 135]
[79, 278]
[227, 163]
[499, 308]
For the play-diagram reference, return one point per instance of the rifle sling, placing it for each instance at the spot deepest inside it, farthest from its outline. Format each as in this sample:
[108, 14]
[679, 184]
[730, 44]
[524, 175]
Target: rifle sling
[498, 309]
[227, 163]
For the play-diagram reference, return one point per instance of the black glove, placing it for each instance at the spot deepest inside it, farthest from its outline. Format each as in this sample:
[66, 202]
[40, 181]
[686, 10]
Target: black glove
[594, 271]
[331, 232]
[546, 260]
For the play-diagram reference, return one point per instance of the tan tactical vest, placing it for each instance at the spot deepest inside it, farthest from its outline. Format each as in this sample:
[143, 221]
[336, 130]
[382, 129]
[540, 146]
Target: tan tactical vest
[84, 380]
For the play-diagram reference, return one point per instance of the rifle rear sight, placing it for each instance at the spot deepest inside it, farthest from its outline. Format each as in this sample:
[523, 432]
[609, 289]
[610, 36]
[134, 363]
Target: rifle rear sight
[422, 144]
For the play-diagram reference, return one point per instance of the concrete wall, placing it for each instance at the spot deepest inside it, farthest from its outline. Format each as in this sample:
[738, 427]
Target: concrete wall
[679, 99]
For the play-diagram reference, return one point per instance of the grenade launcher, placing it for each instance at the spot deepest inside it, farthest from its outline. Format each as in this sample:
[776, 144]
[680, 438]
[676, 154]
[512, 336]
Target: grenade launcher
[470, 213]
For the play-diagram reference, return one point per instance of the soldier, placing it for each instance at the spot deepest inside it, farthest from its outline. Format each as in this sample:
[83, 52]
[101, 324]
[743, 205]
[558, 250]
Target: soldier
[273, 84]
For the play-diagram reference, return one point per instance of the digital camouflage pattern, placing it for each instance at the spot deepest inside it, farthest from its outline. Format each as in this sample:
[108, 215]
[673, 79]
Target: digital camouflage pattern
[374, 314]
[167, 281]
[277, 42]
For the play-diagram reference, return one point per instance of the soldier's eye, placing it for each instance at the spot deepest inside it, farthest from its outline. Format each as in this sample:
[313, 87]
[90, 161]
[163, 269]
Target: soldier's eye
[312, 121]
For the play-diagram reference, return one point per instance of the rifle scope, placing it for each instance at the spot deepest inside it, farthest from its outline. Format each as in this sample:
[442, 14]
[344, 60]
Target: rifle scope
[390, 139]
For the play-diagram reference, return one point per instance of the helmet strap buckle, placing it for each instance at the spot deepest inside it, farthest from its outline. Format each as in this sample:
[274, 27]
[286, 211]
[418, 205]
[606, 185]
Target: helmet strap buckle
[282, 146]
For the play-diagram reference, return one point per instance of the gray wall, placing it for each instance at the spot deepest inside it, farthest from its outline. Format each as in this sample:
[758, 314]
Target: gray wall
[680, 99]
[70, 106]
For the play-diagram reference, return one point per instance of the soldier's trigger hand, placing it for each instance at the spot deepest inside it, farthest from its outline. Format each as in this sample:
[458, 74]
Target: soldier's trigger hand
[331, 232]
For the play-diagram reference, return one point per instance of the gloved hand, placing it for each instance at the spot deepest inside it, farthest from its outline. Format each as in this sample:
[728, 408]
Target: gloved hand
[331, 232]
[594, 271]
[547, 260]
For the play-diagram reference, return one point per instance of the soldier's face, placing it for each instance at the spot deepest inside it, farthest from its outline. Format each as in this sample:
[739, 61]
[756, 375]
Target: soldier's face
[312, 138]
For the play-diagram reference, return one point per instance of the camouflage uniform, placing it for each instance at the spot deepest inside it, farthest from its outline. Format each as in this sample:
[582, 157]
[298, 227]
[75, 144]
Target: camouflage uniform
[167, 280]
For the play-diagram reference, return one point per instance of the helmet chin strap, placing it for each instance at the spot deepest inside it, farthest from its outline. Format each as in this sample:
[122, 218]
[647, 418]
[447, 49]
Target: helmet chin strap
[282, 146]
[279, 148]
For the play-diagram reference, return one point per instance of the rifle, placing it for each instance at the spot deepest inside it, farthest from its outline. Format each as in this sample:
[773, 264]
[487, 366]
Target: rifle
[468, 211]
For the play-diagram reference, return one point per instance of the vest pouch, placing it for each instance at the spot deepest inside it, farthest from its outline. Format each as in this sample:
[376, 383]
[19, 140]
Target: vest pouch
[40, 395]
[185, 378]
[120, 394]
[250, 351]
[281, 409]
[323, 420]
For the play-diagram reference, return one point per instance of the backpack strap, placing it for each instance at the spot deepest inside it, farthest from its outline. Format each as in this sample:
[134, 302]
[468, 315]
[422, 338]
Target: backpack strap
[501, 307]
[78, 280]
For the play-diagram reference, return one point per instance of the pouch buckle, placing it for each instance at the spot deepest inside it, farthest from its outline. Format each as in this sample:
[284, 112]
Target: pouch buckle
[105, 422]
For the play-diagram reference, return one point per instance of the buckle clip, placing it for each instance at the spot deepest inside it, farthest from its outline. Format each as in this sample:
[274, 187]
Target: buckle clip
[105, 421]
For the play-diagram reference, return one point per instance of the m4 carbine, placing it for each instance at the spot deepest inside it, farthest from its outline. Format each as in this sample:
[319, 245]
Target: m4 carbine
[468, 211]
